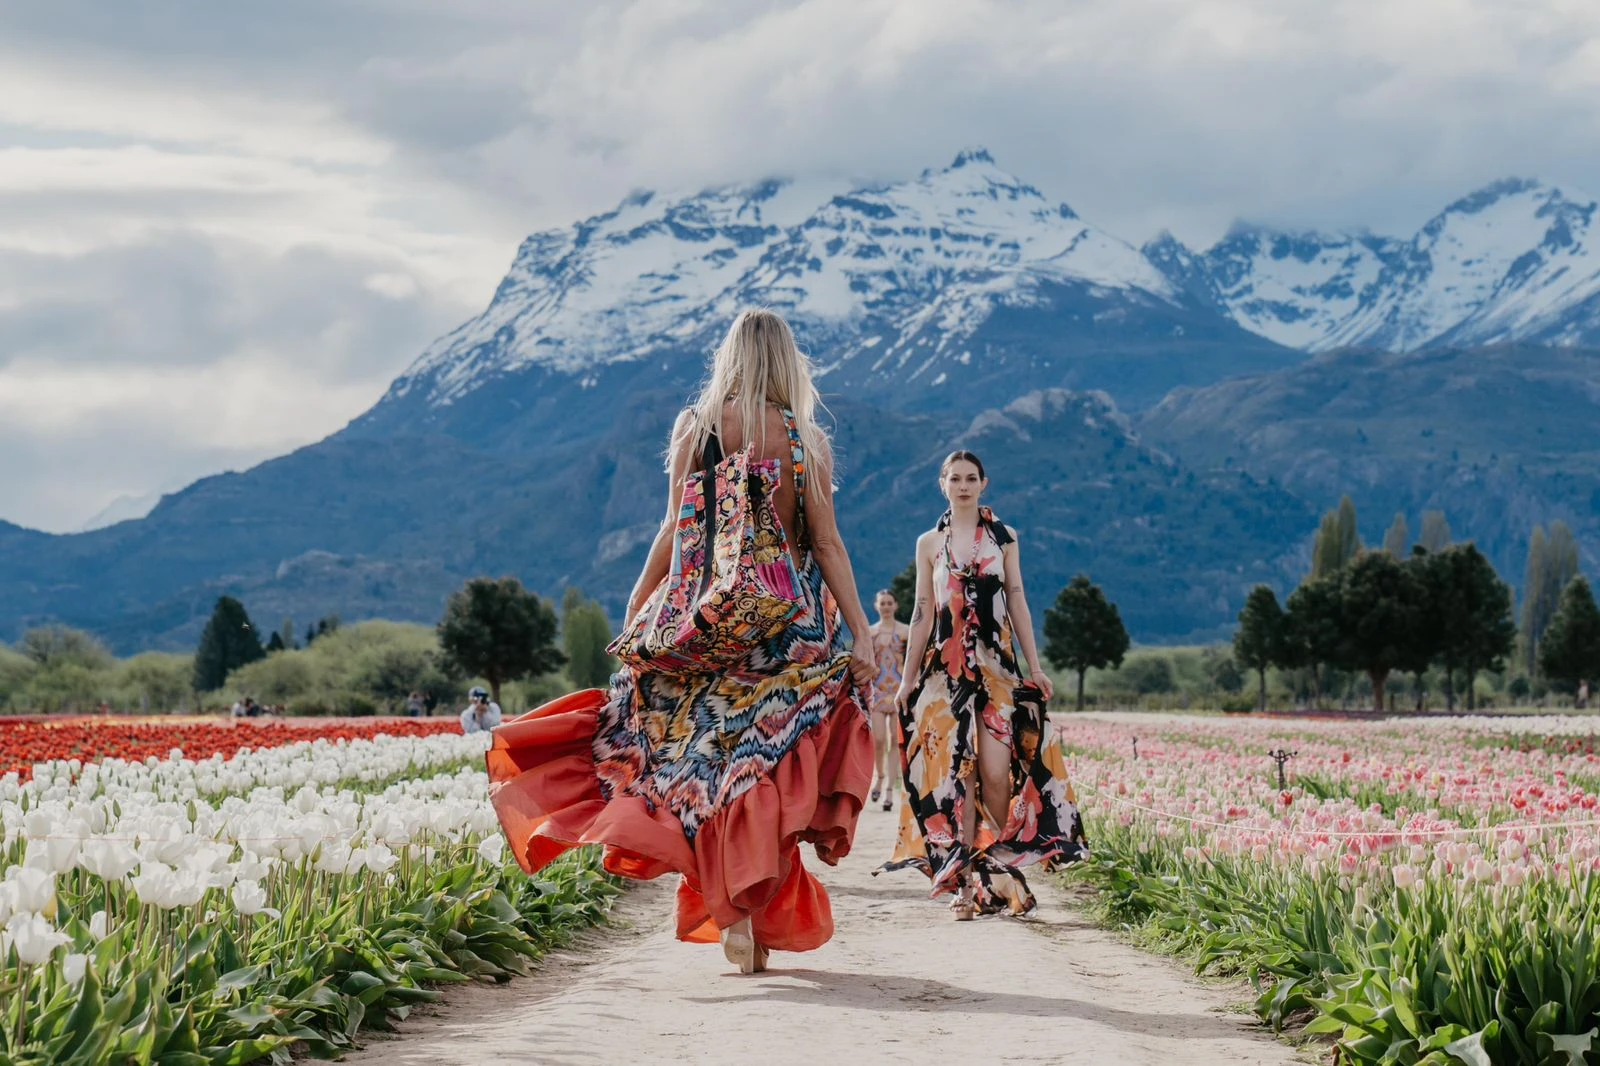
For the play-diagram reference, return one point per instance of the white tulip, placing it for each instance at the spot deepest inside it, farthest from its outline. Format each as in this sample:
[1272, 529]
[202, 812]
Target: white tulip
[156, 884]
[492, 850]
[380, 858]
[34, 938]
[111, 860]
[97, 925]
[74, 966]
[35, 891]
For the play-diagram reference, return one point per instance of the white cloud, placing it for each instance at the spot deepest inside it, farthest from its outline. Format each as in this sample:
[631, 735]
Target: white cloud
[201, 202]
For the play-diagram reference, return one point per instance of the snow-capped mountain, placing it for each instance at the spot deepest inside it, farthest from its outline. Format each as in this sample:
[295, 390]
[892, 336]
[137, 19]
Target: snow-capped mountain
[960, 276]
[1514, 261]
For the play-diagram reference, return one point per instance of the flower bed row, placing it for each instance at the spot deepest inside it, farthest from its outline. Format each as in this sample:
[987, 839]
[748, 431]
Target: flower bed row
[25, 743]
[1415, 893]
[144, 922]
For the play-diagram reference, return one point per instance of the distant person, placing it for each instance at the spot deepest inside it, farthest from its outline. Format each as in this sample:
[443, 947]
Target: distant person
[414, 705]
[482, 714]
[238, 709]
[252, 709]
[977, 742]
[889, 648]
[1583, 694]
[718, 762]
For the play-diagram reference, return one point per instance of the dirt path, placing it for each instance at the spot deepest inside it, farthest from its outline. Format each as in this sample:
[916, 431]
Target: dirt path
[899, 983]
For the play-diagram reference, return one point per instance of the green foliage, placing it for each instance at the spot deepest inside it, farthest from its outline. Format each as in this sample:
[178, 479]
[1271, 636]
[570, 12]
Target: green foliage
[1311, 629]
[229, 642]
[1380, 616]
[1468, 615]
[585, 633]
[498, 630]
[1083, 631]
[1224, 674]
[239, 989]
[1397, 539]
[904, 587]
[156, 681]
[1552, 564]
[366, 668]
[56, 645]
[1145, 675]
[1258, 640]
[1570, 650]
[1338, 540]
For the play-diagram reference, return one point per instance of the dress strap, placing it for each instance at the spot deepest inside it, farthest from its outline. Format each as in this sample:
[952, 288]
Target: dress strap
[797, 453]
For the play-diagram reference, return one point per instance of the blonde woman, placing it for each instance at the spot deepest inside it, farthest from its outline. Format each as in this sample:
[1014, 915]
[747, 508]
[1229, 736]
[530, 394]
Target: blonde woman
[889, 646]
[720, 777]
[976, 739]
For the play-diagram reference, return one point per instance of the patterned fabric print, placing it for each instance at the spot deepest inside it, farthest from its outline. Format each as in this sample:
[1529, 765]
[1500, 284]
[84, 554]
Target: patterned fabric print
[890, 649]
[693, 744]
[710, 611]
[970, 680]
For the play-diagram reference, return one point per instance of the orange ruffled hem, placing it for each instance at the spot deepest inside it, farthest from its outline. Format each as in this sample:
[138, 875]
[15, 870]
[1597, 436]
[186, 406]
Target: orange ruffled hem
[745, 861]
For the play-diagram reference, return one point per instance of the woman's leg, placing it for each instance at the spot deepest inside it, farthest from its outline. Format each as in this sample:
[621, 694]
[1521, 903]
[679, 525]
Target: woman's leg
[994, 773]
[880, 748]
[888, 753]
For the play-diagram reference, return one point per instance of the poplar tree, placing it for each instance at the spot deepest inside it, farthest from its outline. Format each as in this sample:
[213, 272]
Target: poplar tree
[1552, 564]
[1397, 541]
[1435, 535]
[1337, 542]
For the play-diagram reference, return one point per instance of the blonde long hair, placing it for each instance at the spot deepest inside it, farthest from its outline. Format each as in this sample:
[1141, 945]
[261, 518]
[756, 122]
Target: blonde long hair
[759, 363]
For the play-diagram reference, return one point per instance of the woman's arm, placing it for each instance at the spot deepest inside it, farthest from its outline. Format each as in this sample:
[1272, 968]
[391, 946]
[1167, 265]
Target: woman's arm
[659, 561]
[921, 612]
[1022, 618]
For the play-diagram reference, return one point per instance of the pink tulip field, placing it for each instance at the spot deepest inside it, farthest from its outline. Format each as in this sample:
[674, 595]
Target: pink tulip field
[1421, 891]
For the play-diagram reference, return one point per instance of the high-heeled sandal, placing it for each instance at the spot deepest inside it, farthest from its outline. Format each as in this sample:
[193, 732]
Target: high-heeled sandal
[964, 906]
[739, 947]
[874, 794]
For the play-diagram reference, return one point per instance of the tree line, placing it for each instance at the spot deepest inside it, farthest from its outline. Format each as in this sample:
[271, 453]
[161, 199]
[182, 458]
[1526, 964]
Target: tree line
[1438, 604]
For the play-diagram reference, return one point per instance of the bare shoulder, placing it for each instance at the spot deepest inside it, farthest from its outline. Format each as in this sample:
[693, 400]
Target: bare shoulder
[927, 542]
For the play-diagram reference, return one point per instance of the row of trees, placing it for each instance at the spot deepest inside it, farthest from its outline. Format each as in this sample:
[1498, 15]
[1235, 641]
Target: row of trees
[1387, 611]
[491, 630]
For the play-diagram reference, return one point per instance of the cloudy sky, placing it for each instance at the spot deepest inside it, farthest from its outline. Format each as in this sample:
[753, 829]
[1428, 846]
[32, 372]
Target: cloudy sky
[224, 227]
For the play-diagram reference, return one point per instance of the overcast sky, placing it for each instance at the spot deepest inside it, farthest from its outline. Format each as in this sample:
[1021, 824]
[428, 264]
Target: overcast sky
[224, 227]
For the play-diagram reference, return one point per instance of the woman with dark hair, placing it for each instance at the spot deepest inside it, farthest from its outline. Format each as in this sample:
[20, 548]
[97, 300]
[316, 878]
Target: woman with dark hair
[889, 646]
[720, 768]
[975, 734]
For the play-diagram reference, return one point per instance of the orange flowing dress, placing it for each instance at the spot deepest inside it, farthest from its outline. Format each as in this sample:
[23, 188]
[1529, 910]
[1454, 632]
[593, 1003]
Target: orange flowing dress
[718, 778]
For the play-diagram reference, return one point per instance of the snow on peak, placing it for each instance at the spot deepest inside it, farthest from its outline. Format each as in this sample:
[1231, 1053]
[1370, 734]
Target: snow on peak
[1510, 261]
[938, 251]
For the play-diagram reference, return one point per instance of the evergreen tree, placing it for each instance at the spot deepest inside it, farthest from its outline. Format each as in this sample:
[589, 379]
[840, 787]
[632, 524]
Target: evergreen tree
[499, 631]
[1084, 631]
[1397, 541]
[904, 588]
[1435, 536]
[311, 635]
[286, 634]
[1552, 564]
[1468, 616]
[585, 633]
[229, 642]
[275, 643]
[1338, 540]
[1257, 642]
[1311, 630]
[1570, 650]
[1379, 611]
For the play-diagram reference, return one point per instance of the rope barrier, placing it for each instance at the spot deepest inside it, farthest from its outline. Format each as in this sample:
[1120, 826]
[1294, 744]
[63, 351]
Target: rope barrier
[1502, 827]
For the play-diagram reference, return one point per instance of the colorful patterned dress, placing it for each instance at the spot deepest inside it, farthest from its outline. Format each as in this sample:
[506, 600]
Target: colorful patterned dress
[889, 647]
[969, 681]
[716, 777]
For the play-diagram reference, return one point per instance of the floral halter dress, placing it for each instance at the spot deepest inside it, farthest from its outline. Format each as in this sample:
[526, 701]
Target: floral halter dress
[889, 648]
[969, 681]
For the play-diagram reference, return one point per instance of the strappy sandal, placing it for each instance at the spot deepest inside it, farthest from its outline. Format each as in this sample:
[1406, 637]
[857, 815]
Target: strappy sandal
[874, 794]
[964, 906]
